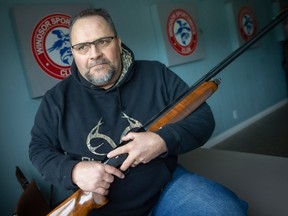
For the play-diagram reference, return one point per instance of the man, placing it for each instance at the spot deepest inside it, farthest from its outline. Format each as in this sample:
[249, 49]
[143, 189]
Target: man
[86, 116]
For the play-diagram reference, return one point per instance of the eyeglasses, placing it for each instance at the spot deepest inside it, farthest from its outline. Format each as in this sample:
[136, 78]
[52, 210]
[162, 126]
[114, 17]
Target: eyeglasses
[100, 44]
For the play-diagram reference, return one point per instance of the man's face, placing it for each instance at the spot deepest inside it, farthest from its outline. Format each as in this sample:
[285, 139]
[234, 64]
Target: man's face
[100, 65]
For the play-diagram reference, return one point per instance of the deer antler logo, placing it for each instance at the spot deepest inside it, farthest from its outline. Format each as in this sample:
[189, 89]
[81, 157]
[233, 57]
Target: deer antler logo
[95, 134]
[133, 123]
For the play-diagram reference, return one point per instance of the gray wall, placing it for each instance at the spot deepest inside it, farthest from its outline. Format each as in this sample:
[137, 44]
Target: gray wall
[251, 84]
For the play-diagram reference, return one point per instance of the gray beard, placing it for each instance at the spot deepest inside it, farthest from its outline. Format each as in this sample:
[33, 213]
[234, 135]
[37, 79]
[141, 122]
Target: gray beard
[103, 80]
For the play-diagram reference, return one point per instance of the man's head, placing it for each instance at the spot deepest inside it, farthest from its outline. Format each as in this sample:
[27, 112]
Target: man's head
[96, 47]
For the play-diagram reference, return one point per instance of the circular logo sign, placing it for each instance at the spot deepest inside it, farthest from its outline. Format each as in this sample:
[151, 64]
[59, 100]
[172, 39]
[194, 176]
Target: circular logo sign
[247, 23]
[51, 45]
[182, 32]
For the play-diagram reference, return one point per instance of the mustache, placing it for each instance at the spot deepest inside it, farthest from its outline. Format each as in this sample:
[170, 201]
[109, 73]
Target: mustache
[98, 62]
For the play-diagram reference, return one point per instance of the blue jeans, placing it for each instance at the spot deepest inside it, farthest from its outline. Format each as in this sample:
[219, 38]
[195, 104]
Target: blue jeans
[190, 194]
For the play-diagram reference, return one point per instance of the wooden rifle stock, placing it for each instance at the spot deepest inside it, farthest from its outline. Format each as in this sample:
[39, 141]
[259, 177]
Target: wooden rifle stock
[81, 203]
[78, 204]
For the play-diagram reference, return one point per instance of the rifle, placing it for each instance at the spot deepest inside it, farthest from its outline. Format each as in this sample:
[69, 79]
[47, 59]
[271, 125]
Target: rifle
[81, 203]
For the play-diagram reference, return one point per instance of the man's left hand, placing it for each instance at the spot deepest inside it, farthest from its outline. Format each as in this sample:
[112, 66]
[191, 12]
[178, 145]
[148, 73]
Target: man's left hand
[142, 148]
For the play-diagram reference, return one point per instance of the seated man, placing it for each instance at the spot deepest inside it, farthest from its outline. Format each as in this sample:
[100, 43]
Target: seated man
[82, 120]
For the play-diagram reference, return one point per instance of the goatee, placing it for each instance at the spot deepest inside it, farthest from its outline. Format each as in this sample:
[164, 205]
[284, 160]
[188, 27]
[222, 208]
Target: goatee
[106, 78]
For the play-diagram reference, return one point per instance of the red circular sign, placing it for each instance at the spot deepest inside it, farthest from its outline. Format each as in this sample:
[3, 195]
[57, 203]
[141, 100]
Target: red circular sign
[247, 23]
[182, 32]
[51, 45]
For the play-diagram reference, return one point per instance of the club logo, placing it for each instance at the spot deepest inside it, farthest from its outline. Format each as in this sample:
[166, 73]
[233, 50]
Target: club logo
[247, 23]
[51, 45]
[182, 32]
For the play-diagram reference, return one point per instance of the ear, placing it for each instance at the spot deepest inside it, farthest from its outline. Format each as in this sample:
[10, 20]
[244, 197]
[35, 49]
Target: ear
[119, 44]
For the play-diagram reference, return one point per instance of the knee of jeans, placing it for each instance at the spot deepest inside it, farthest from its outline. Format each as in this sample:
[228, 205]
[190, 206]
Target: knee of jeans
[188, 190]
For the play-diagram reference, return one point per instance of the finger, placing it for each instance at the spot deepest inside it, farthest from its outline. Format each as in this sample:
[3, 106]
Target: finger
[124, 148]
[108, 178]
[113, 171]
[134, 164]
[101, 191]
[127, 163]
[104, 185]
[98, 198]
[118, 151]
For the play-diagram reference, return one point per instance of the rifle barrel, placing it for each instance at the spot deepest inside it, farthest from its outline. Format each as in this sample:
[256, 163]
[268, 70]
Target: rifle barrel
[220, 66]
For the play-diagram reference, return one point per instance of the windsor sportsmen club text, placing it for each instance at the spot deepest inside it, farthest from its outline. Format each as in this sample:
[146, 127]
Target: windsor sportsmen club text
[51, 45]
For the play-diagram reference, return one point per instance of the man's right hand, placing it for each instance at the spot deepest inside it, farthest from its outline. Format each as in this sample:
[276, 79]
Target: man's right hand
[94, 176]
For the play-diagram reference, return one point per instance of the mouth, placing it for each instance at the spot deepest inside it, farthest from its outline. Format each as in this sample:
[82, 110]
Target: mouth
[98, 65]
[98, 68]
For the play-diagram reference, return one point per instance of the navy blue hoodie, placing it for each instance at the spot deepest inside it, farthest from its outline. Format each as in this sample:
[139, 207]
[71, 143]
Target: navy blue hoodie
[78, 121]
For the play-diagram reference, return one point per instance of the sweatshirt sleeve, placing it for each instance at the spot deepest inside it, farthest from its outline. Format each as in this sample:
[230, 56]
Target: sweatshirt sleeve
[45, 151]
[191, 132]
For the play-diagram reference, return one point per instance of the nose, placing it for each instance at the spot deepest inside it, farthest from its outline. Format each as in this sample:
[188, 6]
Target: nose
[94, 52]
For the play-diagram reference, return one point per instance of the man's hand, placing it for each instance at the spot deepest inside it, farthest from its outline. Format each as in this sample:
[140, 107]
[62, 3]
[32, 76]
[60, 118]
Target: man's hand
[94, 176]
[142, 148]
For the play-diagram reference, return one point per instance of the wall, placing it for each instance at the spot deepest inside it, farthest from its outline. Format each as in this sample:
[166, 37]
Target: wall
[251, 84]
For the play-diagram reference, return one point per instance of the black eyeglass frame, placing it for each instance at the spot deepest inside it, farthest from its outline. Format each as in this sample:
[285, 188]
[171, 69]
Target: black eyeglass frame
[95, 43]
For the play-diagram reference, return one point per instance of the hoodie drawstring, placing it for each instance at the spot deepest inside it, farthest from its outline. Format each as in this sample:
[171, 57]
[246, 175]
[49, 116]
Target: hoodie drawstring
[120, 105]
